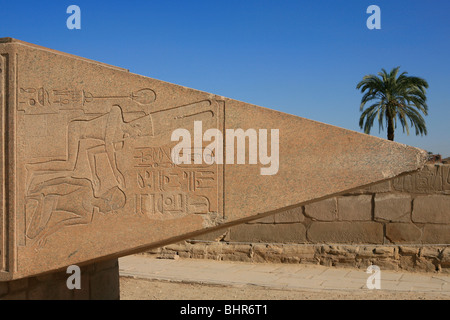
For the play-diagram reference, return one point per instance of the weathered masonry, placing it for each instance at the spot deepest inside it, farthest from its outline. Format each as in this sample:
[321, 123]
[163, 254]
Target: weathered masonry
[403, 223]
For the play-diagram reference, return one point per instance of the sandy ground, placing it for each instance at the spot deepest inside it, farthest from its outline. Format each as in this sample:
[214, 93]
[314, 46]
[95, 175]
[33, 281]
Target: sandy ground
[142, 289]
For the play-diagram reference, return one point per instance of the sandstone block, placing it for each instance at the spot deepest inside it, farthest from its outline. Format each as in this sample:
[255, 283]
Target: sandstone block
[283, 253]
[408, 250]
[324, 210]
[355, 208]
[403, 233]
[281, 233]
[300, 250]
[262, 252]
[387, 265]
[366, 252]
[346, 232]
[436, 234]
[431, 209]
[445, 258]
[232, 248]
[199, 249]
[340, 250]
[430, 252]
[387, 251]
[393, 207]
[214, 249]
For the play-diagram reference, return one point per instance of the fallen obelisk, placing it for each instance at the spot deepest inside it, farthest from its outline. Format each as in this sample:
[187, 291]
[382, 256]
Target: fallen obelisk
[90, 169]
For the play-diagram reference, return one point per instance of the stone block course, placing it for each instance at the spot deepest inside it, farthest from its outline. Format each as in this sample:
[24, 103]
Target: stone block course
[407, 229]
[295, 232]
[355, 208]
[412, 212]
[283, 253]
[445, 258]
[345, 232]
[431, 209]
[429, 258]
[408, 251]
[392, 207]
[430, 252]
[324, 210]
[389, 251]
[436, 234]
[403, 233]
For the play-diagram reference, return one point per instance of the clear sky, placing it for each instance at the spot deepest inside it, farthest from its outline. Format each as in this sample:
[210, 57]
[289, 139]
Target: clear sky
[300, 57]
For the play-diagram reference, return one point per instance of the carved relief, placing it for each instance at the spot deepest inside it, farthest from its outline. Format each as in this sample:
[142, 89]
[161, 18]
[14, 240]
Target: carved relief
[108, 131]
[432, 179]
[66, 201]
[142, 97]
[56, 185]
[51, 100]
[95, 173]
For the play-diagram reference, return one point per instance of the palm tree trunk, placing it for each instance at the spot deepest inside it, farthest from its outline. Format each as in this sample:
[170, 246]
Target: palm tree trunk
[390, 127]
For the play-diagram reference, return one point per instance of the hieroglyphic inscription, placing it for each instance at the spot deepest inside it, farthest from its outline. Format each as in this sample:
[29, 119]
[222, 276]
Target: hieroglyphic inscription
[432, 179]
[51, 100]
[166, 188]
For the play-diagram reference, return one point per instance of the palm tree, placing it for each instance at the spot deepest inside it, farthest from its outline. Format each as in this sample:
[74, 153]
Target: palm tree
[401, 98]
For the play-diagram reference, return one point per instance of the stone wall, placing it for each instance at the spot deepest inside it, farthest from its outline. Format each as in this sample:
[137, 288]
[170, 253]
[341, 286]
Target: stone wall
[403, 223]
[99, 281]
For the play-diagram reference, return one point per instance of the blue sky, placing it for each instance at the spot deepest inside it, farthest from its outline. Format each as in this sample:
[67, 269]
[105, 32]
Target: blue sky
[300, 57]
